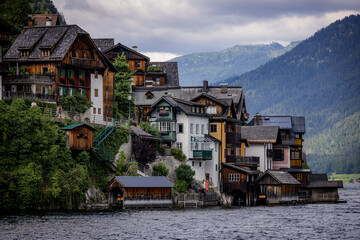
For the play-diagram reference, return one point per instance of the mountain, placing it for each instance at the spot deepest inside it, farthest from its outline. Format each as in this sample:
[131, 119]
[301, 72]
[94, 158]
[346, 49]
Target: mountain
[194, 68]
[320, 79]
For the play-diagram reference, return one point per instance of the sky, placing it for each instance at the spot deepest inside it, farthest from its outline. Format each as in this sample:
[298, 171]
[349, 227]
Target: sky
[164, 29]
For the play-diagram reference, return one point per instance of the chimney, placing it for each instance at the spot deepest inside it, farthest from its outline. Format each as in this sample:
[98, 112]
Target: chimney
[257, 120]
[31, 22]
[205, 86]
[48, 22]
[134, 48]
[224, 87]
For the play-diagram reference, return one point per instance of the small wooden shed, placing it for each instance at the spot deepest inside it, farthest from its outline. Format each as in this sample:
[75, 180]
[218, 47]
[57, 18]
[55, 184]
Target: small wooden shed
[322, 190]
[136, 191]
[275, 187]
[79, 136]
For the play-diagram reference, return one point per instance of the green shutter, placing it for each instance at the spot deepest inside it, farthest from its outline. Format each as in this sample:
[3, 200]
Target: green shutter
[59, 72]
[83, 74]
[64, 91]
[83, 91]
[63, 72]
[60, 91]
[73, 91]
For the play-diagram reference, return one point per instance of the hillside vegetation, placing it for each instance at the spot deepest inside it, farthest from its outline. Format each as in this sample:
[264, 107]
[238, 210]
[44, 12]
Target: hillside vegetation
[217, 66]
[319, 79]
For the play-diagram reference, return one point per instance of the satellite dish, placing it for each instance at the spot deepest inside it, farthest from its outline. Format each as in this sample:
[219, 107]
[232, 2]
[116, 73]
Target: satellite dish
[212, 146]
[246, 116]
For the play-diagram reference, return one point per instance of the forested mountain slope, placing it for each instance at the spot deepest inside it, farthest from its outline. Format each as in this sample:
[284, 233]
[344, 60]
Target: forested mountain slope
[217, 66]
[320, 79]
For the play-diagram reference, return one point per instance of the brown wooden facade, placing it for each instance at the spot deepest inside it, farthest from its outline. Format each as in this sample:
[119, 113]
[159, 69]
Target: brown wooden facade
[79, 136]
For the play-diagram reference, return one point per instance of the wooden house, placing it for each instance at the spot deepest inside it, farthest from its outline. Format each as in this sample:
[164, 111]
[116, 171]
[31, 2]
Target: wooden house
[79, 136]
[238, 181]
[322, 190]
[6, 31]
[274, 187]
[133, 191]
[220, 92]
[53, 61]
[224, 125]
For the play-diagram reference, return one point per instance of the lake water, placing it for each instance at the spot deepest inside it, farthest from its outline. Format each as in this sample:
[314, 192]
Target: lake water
[312, 221]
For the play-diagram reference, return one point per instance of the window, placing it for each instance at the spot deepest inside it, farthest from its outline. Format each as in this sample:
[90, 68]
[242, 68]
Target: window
[82, 74]
[99, 110]
[72, 91]
[96, 92]
[278, 155]
[234, 177]
[45, 53]
[158, 81]
[165, 126]
[193, 109]
[82, 91]
[45, 70]
[197, 128]
[299, 176]
[202, 128]
[179, 145]
[215, 167]
[200, 164]
[149, 95]
[191, 128]
[211, 110]
[137, 64]
[193, 163]
[62, 91]
[94, 110]
[96, 74]
[213, 128]
[24, 53]
[180, 128]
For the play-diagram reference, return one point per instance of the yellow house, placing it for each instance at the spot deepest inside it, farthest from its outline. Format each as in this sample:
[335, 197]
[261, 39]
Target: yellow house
[224, 126]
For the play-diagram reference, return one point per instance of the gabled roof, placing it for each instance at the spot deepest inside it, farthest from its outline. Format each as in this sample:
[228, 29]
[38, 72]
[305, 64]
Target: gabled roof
[171, 71]
[144, 182]
[142, 134]
[241, 169]
[280, 176]
[104, 43]
[219, 101]
[76, 125]
[284, 122]
[34, 39]
[129, 53]
[182, 104]
[261, 134]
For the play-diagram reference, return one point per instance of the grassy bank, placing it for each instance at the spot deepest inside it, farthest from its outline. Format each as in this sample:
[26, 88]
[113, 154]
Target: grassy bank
[346, 178]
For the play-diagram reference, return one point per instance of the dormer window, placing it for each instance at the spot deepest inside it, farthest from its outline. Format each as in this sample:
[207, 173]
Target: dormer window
[149, 95]
[24, 53]
[45, 53]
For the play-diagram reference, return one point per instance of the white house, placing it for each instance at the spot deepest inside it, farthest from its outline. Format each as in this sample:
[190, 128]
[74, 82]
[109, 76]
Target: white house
[261, 140]
[184, 124]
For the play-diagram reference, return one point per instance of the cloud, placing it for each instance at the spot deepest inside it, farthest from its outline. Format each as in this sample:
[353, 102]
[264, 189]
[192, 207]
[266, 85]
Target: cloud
[185, 26]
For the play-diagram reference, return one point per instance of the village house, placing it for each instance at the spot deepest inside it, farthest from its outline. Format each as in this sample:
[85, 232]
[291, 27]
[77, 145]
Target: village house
[275, 187]
[238, 181]
[135, 191]
[289, 153]
[54, 61]
[44, 20]
[224, 126]
[184, 124]
[261, 141]
[79, 136]
[6, 31]
[151, 80]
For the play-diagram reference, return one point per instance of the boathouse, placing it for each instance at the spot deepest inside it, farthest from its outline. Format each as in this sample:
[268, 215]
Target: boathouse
[136, 191]
[79, 136]
[322, 190]
[274, 187]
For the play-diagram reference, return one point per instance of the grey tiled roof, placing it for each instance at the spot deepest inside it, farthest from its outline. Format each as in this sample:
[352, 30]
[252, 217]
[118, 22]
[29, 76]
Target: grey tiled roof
[241, 169]
[103, 43]
[260, 134]
[129, 53]
[142, 134]
[140, 94]
[34, 39]
[298, 124]
[144, 182]
[281, 177]
[171, 71]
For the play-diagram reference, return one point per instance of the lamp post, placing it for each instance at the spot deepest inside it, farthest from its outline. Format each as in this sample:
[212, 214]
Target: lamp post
[129, 98]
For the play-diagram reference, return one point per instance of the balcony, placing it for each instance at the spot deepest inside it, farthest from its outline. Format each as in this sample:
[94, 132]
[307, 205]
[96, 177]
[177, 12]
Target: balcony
[30, 96]
[202, 154]
[30, 79]
[168, 135]
[83, 62]
[298, 141]
[295, 163]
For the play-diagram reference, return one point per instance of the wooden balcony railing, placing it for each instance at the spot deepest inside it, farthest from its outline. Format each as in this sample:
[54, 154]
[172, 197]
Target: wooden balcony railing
[30, 79]
[27, 95]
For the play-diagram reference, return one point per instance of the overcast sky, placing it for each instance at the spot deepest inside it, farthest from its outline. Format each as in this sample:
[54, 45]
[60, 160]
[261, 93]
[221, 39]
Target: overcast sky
[163, 29]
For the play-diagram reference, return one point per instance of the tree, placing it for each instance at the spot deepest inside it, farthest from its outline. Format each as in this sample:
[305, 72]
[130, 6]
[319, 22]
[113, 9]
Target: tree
[15, 12]
[122, 81]
[160, 169]
[150, 129]
[184, 173]
[76, 103]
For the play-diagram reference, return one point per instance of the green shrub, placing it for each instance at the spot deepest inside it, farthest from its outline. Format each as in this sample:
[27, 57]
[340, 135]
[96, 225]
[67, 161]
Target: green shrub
[160, 169]
[184, 173]
[180, 186]
[150, 129]
[178, 154]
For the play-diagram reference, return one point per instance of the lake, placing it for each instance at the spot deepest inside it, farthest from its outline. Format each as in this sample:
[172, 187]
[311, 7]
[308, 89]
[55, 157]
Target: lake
[310, 221]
